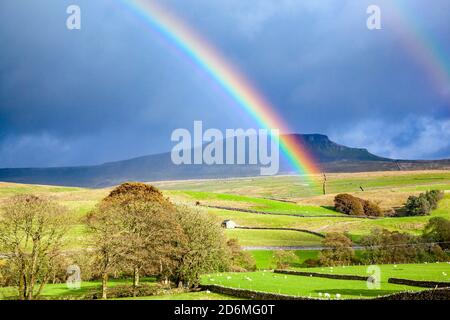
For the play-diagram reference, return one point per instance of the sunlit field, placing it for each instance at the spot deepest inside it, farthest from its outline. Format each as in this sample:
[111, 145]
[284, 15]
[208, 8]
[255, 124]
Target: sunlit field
[278, 202]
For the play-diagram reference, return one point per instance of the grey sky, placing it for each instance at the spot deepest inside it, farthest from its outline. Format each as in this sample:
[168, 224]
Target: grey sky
[115, 89]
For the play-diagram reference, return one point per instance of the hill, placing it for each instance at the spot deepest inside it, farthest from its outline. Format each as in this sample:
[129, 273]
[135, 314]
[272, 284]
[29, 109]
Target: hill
[331, 156]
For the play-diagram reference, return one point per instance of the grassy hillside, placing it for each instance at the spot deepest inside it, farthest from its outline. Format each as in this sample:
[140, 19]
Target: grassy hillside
[305, 208]
[391, 188]
[294, 187]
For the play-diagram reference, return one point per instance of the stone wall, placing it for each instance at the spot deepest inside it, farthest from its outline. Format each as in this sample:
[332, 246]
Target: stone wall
[322, 275]
[250, 294]
[415, 283]
[433, 294]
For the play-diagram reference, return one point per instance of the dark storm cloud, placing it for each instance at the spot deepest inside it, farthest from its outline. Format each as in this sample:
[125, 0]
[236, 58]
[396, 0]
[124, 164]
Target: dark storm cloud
[114, 90]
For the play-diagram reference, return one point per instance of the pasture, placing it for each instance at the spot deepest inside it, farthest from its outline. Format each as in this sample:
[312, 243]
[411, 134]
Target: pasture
[275, 202]
[302, 286]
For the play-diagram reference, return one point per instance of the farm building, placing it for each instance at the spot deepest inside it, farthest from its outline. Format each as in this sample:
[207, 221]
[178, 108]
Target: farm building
[229, 224]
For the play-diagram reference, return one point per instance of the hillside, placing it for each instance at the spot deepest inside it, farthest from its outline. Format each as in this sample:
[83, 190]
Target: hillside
[331, 156]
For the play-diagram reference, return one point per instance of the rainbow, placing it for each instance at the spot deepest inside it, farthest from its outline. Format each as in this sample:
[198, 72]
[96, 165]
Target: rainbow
[427, 52]
[221, 71]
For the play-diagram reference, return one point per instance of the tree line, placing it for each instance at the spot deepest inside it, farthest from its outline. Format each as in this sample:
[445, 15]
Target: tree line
[133, 232]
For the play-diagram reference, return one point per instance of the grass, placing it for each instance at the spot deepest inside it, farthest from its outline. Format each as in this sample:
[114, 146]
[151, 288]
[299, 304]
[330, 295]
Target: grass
[252, 203]
[80, 201]
[265, 258]
[273, 238]
[294, 187]
[355, 227]
[302, 286]
[388, 188]
[426, 272]
[61, 291]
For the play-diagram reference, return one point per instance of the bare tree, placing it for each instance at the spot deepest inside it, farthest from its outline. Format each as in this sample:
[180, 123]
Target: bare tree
[105, 228]
[32, 231]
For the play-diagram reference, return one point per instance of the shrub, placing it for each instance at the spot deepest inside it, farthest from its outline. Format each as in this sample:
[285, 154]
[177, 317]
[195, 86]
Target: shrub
[417, 206]
[433, 197]
[284, 258]
[438, 230]
[372, 209]
[338, 250]
[311, 263]
[424, 203]
[348, 204]
[125, 291]
[384, 246]
[240, 261]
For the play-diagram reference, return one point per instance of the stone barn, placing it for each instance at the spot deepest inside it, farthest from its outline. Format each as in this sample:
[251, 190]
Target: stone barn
[228, 224]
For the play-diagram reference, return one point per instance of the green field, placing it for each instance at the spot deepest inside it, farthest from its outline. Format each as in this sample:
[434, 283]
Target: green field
[302, 286]
[288, 187]
[265, 258]
[252, 203]
[274, 238]
[427, 272]
[392, 187]
[263, 194]
[62, 291]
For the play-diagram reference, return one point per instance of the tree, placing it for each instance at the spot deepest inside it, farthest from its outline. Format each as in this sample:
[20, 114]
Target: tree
[438, 230]
[348, 204]
[338, 250]
[424, 203]
[284, 258]
[104, 225]
[417, 206]
[384, 246]
[140, 230]
[240, 260]
[371, 209]
[433, 197]
[324, 184]
[32, 231]
[203, 251]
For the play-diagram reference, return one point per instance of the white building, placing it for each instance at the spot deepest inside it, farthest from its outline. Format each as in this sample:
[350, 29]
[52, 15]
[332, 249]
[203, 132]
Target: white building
[228, 224]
